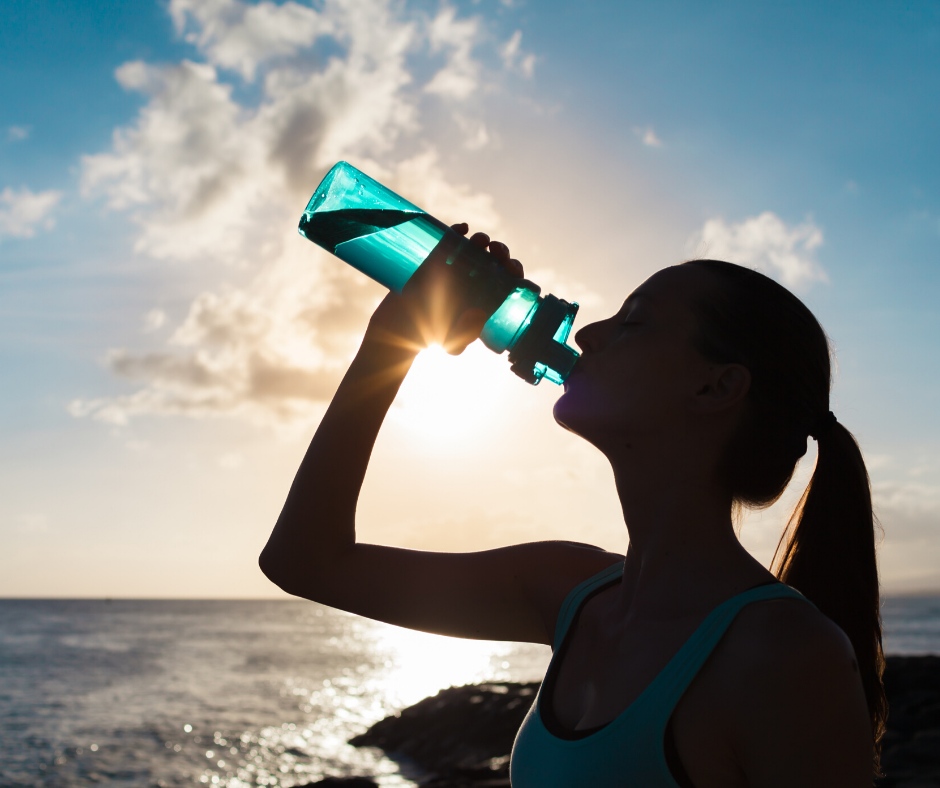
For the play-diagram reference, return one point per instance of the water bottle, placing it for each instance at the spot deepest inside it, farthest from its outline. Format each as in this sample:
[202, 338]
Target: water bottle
[394, 242]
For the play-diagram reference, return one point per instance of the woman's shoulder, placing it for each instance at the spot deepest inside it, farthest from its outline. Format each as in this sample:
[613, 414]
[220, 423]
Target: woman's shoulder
[778, 646]
[788, 667]
[783, 687]
[784, 633]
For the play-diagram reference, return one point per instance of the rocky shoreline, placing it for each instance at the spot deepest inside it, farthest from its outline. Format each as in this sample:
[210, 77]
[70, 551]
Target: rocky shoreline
[910, 751]
[462, 737]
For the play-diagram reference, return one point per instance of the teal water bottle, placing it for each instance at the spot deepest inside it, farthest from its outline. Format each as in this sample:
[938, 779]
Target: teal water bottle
[390, 240]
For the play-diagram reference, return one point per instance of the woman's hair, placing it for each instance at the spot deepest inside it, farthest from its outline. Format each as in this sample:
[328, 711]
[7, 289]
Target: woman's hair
[827, 551]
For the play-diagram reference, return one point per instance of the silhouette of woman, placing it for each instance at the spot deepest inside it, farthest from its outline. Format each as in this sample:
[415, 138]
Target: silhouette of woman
[685, 662]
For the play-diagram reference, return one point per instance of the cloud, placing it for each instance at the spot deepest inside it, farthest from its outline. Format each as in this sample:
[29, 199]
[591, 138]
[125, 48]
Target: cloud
[476, 135]
[212, 172]
[460, 76]
[766, 243]
[648, 136]
[515, 58]
[21, 211]
[571, 290]
[910, 497]
[206, 176]
[18, 133]
[154, 320]
[909, 556]
[240, 37]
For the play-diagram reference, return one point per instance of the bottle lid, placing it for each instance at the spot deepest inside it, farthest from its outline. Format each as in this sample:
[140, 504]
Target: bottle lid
[542, 350]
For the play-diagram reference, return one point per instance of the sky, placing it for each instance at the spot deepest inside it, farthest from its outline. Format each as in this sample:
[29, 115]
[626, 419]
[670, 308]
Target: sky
[168, 342]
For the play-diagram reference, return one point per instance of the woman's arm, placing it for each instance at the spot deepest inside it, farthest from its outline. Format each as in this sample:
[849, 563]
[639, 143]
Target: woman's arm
[510, 593]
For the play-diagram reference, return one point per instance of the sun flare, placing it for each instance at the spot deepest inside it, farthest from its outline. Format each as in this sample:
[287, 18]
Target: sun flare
[449, 397]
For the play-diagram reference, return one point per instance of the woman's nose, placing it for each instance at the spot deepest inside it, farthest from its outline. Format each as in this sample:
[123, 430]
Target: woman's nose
[587, 337]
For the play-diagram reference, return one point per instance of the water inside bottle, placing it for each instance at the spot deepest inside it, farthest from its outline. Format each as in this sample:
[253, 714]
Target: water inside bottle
[386, 245]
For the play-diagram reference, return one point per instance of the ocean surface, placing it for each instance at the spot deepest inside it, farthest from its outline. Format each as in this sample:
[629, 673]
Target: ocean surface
[242, 693]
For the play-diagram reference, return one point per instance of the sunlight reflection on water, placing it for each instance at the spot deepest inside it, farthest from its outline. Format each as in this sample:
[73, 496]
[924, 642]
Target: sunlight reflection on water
[379, 670]
[220, 693]
[419, 664]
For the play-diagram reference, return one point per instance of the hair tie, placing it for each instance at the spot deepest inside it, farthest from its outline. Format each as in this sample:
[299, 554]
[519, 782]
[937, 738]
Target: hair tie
[823, 426]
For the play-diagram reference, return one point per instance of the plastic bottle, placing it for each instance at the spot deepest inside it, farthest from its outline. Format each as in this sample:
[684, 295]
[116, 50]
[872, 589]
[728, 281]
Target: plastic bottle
[389, 239]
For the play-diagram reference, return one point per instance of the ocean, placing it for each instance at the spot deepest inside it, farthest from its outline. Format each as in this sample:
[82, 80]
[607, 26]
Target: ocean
[242, 693]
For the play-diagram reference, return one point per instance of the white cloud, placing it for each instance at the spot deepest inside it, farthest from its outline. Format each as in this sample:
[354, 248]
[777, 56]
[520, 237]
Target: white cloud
[570, 289]
[240, 37]
[154, 320]
[22, 211]
[460, 76]
[908, 497]
[515, 58]
[909, 513]
[766, 243]
[212, 172]
[648, 136]
[476, 134]
[18, 133]
[205, 176]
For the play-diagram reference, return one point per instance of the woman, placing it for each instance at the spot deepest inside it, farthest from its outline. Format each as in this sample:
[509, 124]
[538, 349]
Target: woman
[684, 662]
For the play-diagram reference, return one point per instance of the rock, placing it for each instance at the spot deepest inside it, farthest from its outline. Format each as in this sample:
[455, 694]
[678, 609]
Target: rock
[910, 754]
[460, 737]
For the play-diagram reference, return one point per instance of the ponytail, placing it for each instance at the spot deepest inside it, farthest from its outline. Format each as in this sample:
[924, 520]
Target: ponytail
[827, 553]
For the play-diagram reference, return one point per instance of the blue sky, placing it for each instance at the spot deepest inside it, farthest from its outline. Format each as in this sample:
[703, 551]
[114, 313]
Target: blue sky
[168, 343]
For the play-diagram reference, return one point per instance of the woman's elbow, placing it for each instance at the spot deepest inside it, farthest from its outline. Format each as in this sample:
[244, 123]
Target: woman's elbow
[298, 577]
[276, 569]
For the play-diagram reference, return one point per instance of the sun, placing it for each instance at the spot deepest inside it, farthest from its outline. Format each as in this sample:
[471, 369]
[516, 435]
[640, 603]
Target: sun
[447, 398]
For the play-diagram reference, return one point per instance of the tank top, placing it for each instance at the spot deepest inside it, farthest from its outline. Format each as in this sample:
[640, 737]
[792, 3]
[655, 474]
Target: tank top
[635, 749]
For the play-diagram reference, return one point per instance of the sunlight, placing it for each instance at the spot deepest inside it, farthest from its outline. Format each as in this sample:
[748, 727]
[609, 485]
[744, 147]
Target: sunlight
[449, 397]
[423, 664]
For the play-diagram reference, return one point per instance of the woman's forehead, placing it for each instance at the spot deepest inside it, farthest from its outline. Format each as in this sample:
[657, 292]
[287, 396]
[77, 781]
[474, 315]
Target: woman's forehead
[673, 286]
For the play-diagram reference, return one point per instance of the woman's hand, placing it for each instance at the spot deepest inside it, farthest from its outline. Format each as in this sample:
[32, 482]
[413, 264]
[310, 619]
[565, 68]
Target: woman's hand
[433, 314]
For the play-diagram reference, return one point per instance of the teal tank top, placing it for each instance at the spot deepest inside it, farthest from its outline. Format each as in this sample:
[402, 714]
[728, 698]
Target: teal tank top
[631, 750]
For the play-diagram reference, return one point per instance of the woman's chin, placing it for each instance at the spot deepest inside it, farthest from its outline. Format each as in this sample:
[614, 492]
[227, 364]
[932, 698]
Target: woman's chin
[566, 411]
[586, 415]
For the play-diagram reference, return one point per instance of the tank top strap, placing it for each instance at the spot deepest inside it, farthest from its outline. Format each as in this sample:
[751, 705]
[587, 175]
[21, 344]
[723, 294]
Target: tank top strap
[569, 607]
[675, 678]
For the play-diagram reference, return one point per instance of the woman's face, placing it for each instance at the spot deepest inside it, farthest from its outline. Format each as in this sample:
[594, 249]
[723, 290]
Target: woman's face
[639, 370]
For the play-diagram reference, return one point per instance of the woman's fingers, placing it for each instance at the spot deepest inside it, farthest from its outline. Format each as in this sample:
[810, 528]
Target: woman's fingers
[500, 251]
[480, 239]
[465, 330]
[497, 248]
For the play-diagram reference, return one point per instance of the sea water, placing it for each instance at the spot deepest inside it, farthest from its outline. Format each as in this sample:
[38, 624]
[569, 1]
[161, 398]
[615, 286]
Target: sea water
[241, 693]
[233, 693]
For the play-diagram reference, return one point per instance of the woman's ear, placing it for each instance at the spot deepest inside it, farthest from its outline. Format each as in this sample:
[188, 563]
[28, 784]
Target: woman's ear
[726, 386]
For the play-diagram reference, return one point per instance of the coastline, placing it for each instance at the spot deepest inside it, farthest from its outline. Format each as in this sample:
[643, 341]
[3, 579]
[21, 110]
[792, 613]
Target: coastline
[462, 737]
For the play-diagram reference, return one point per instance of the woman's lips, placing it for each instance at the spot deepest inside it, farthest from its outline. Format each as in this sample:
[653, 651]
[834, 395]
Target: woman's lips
[574, 371]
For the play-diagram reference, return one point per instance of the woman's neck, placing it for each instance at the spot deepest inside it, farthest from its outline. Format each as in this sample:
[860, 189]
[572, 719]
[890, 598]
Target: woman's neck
[684, 554]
